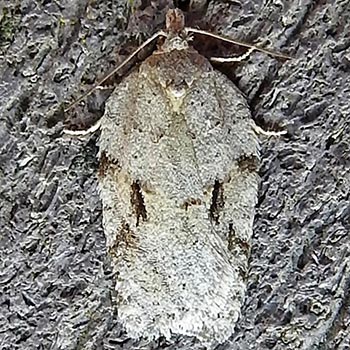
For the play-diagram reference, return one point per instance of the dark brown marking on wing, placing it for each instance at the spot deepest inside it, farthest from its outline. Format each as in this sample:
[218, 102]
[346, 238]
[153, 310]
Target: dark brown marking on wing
[137, 202]
[243, 273]
[217, 201]
[105, 164]
[125, 239]
[189, 202]
[234, 241]
[244, 247]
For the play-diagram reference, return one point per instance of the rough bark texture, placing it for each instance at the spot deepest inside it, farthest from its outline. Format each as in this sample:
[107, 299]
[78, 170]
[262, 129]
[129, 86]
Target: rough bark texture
[56, 286]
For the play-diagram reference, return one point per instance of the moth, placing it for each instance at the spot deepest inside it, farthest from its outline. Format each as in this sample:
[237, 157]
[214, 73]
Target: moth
[178, 179]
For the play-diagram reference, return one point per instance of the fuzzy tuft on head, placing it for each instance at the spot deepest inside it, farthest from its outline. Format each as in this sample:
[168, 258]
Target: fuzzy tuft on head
[175, 21]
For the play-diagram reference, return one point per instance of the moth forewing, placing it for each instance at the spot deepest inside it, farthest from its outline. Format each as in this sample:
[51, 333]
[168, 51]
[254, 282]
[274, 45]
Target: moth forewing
[178, 198]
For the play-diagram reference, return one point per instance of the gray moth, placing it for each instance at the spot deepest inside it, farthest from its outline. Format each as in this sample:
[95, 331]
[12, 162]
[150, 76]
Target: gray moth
[178, 182]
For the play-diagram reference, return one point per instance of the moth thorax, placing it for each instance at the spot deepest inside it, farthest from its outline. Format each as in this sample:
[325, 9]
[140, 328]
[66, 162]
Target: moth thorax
[174, 43]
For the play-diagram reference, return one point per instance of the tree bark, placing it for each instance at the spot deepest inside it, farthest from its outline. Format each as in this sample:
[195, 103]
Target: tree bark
[56, 284]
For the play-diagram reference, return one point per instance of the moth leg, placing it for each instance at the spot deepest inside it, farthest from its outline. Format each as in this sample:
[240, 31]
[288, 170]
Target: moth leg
[232, 59]
[105, 87]
[260, 131]
[85, 132]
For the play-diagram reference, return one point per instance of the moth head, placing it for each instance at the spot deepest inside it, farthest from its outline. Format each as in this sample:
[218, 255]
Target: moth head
[175, 21]
[176, 37]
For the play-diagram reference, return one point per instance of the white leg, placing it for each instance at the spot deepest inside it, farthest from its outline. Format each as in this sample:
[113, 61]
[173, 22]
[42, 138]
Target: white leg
[258, 130]
[91, 130]
[232, 59]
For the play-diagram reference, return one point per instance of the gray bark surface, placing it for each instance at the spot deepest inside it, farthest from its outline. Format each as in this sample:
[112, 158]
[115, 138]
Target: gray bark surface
[56, 285]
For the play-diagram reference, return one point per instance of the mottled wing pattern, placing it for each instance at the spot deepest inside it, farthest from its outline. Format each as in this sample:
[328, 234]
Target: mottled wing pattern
[178, 183]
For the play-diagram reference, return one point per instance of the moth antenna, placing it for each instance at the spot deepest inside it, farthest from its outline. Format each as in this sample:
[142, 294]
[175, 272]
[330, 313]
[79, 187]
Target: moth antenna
[128, 59]
[219, 37]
